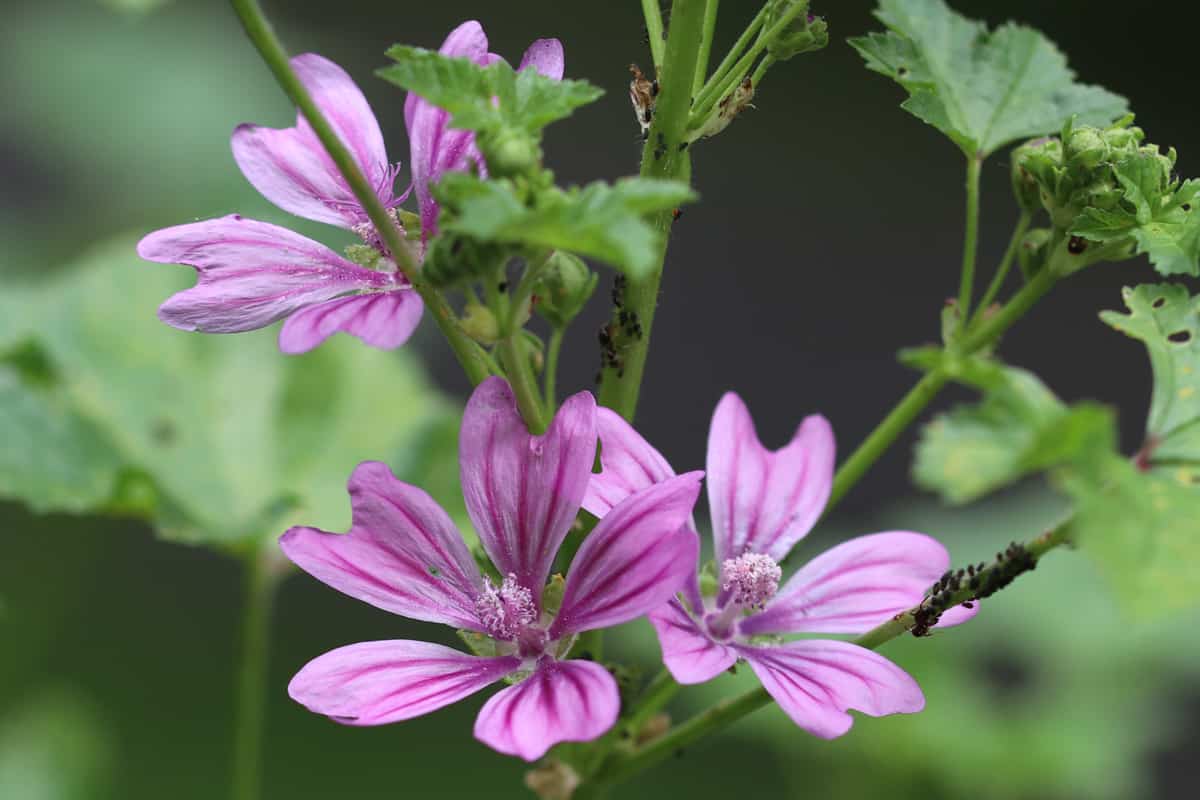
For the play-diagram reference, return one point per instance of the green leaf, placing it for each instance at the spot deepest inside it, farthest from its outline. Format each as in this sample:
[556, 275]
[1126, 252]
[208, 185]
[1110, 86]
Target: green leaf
[1166, 319]
[982, 89]
[488, 98]
[213, 439]
[1018, 428]
[1141, 528]
[600, 220]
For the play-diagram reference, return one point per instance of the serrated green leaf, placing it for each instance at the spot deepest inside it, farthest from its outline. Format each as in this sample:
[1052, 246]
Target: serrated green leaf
[214, 439]
[1166, 319]
[486, 98]
[599, 220]
[982, 89]
[1019, 428]
[1141, 528]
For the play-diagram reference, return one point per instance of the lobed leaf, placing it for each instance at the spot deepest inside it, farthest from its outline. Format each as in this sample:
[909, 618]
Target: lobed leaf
[486, 98]
[984, 89]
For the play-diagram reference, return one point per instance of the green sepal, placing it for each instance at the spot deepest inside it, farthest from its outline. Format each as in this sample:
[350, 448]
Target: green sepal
[805, 34]
[478, 643]
[563, 288]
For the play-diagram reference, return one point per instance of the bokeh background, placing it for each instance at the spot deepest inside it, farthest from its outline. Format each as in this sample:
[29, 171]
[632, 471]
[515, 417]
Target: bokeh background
[827, 238]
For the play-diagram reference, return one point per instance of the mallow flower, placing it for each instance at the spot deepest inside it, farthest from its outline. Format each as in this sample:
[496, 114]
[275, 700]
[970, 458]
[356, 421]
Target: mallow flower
[523, 492]
[762, 503]
[252, 273]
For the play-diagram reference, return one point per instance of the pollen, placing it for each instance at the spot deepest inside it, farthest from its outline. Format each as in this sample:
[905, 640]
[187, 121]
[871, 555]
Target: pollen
[753, 578]
[507, 610]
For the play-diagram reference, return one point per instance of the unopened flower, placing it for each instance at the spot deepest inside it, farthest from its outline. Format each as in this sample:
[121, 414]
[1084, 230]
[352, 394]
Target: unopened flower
[762, 503]
[523, 492]
[253, 273]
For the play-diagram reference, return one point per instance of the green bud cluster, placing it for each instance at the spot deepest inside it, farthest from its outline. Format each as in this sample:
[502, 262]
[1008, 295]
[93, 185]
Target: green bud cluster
[564, 288]
[510, 152]
[805, 34]
[453, 259]
[1079, 170]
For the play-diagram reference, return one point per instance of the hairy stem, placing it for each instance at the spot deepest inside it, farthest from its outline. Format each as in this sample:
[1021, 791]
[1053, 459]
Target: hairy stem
[1014, 244]
[550, 373]
[966, 285]
[662, 157]
[260, 583]
[624, 766]
[654, 31]
[710, 27]
[261, 34]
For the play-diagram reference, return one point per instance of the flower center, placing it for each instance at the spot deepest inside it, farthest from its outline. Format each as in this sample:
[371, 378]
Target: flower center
[506, 611]
[751, 579]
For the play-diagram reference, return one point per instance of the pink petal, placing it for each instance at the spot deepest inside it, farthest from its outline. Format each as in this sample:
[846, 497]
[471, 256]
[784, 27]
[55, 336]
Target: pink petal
[523, 491]
[816, 681]
[635, 560]
[402, 554]
[373, 683]
[687, 651]
[763, 501]
[628, 464]
[545, 56]
[957, 615]
[381, 319]
[290, 167]
[562, 701]
[854, 586]
[434, 147]
[250, 273]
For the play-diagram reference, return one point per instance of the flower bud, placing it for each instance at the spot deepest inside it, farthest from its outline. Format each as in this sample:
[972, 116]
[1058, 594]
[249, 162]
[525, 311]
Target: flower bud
[1086, 148]
[1033, 165]
[564, 288]
[453, 259]
[1031, 255]
[805, 34]
[480, 324]
[510, 152]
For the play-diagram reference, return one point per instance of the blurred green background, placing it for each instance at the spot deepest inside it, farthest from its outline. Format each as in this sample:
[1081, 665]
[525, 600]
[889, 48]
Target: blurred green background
[827, 238]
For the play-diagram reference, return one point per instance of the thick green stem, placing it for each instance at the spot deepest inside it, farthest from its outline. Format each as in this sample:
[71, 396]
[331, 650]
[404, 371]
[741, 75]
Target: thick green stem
[550, 374]
[260, 583]
[621, 384]
[966, 284]
[623, 766]
[255, 23]
[885, 433]
[654, 31]
[515, 359]
[1014, 244]
[990, 329]
[710, 27]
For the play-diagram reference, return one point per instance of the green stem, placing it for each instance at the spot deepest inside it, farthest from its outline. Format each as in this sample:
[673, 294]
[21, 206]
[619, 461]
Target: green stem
[734, 53]
[654, 31]
[1014, 243]
[550, 374]
[989, 330]
[718, 88]
[886, 432]
[259, 30]
[761, 70]
[620, 385]
[624, 766]
[260, 582]
[966, 285]
[519, 371]
[710, 27]
[652, 700]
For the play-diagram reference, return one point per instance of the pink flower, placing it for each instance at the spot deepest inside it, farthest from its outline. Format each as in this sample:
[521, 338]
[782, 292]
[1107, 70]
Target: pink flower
[252, 274]
[523, 492]
[762, 503]
[435, 147]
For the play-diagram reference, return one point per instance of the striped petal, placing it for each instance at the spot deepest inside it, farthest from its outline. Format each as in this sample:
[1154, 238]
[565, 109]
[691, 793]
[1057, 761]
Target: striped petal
[635, 560]
[688, 652]
[562, 701]
[765, 501]
[815, 682]
[628, 464]
[291, 168]
[374, 683]
[402, 554]
[380, 319]
[523, 491]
